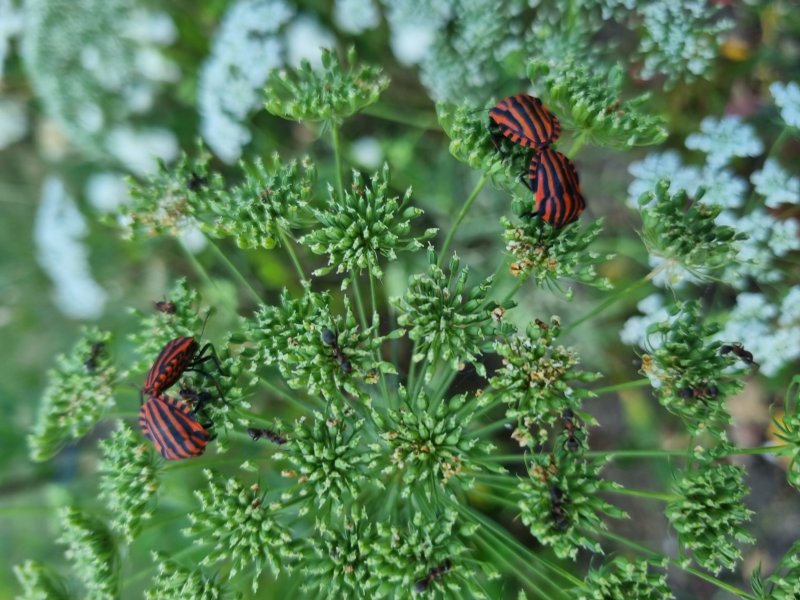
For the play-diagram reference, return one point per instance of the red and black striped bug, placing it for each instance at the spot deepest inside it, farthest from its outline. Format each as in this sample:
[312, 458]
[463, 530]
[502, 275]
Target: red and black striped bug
[524, 120]
[553, 179]
[423, 584]
[178, 356]
[172, 427]
[256, 434]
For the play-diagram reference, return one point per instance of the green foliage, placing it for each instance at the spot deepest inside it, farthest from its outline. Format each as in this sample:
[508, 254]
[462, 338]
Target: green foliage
[336, 92]
[290, 335]
[329, 462]
[269, 202]
[690, 375]
[174, 582]
[709, 515]
[364, 226]
[241, 527]
[538, 379]
[427, 443]
[445, 319]
[39, 582]
[549, 255]
[92, 551]
[79, 392]
[622, 579]
[787, 427]
[784, 582]
[559, 502]
[129, 482]
[686, 237]
[589, 101]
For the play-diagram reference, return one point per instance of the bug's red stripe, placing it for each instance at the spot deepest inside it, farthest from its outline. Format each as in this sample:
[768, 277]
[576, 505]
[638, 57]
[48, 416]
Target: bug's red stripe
[525, 121]
[171, 362]
[176, 430]
[162, 436]
[556, 186]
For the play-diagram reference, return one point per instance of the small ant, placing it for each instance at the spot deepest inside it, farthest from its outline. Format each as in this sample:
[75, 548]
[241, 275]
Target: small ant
[568, 421]
[329, 339]
[687, 393]
[257, 433]
[196, 181]
[739, 351]
[435, 573]
[91, 363]
[558, 501]
[165, 307]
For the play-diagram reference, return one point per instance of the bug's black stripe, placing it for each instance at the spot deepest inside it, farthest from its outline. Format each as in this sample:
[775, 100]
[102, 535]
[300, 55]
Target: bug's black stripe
[157, 434]
[177, 426]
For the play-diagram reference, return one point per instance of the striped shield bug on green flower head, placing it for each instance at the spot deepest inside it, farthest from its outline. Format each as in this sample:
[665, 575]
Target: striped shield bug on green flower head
[524, 120]
[178, 356]
[553, 179]
[172, 427]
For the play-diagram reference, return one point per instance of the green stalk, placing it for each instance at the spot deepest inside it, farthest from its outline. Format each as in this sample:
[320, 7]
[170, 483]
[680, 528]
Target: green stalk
[460, 217]
[618, 387]
[392, 115]
[492, 427]
[187, 551]
[337, 154]
[201, 270]
[375, 314]
[235, 272]
[613, 454]
[577, 144]
[615, 297]
[286, 243]
[362, 314]
[644, 494]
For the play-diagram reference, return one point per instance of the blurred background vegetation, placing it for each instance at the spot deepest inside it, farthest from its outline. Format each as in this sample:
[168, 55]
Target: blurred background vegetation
[55, 55]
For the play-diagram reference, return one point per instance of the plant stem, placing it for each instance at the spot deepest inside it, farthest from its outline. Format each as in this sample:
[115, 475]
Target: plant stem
[610, 301]
[492, 427]
[390, 114]
[460, 217]
[506, 458]
[283, 394]
[201, 270]
[709, 578]
[235, 272]
[337, 154]
[286, 243]
[362, 315]
[617, 387]
[577, 144]
[644, 494]
[376, 322]
[635, 453]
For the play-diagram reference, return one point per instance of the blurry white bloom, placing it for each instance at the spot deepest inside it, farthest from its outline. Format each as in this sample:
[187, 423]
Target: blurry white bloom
[784, 237]
[790, 308]
[774, 352]
[722, 139]
[634, 332]
[776, 185]
[722, 187]
[155, 66]
[659, 165]
[367, 152]
[10, 26]
[410, 42]
[787, 97]
[751, 308]
[152, 27]
[139, 149]
[671, 273]
[107, 191]
[51, 139]
[245, 49]
[679, 40]
[57, 233]
[767, 238]
[191, 236]
[13, 121]
[414, 25]
[356, 16]
[305, 39]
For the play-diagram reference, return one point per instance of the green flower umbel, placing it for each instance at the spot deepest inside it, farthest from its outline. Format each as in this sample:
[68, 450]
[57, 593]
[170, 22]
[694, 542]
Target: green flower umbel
[446, 319]
[92, 552]
[708, 514]
[174, 582]
[622, 579]
[367, 225]
[129, 481]
[79, 392]
[784, 583]
[335, 92]
[39, 582]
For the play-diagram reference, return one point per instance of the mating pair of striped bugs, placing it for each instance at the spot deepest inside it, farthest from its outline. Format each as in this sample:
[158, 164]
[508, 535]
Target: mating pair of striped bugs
[171, 424]
[552, 176]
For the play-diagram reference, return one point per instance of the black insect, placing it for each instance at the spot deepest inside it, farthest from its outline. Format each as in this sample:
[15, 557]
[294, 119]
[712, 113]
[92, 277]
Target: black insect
[197, 401]
[258, 433]
[423, 584]
[573, 444]
[558, 501]
[699, 393]
[329, 338]
[739, 351]
[91, 363]
[165, 307]
[196, 181]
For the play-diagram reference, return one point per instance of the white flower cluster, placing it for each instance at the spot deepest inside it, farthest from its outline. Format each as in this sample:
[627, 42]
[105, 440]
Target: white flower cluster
[787, 97]
[722, 139]
[770, 332]
[356, 16]
[679, 39]
[634, 332]
[255, 38]
[776, 185]
[58, 231]
[13, 121]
